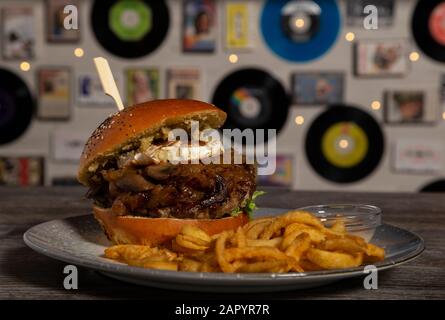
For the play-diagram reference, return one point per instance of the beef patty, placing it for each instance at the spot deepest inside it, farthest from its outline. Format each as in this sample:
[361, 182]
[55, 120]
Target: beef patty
[197, 191]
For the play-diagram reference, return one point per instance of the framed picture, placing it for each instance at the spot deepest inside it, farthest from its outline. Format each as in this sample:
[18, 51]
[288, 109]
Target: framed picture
[317, 88]
[199, 20]
[22, 171]
[54, 91]
[141, 85]
[67, 145]
[355, 14]
[183, 84]
[89, 91]
[55, 30]
[283, 175]
[381, 58]
[408, 106]
[18, 33]
[418, 156]
[238, 33]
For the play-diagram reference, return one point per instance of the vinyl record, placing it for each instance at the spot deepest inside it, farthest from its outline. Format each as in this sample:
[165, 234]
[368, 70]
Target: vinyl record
[435, 186]
[344, 144]
[128, 28]
[252, 98]
[428, 27]
[300, 30]
[16, 106]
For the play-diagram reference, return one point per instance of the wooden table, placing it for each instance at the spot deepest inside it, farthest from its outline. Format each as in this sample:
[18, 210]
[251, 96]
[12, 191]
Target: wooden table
[25, 274]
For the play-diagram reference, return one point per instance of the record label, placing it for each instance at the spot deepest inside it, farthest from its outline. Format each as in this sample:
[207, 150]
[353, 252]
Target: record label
[16, 106]
[437, 23]
[253, 99]
[300, 20]
[300, 30]
[247, 102]
[130, 28]
[344, 144]
[130, 20]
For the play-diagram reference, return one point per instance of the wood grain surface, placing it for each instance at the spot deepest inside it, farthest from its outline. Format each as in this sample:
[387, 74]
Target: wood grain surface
[25, 274]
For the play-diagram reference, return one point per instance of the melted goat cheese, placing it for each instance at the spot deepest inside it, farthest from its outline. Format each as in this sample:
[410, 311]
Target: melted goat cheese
[179, 152]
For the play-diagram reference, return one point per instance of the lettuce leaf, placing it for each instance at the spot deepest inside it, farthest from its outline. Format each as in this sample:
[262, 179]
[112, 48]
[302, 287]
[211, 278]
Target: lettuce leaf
[250, 206]
[235, 212]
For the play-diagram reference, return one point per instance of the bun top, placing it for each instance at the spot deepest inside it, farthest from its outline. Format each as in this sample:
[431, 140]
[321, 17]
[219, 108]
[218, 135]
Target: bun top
[124, 128]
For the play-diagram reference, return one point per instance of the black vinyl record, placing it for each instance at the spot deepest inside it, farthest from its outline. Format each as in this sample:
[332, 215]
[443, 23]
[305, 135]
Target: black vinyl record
[344, 144]
[128, 28]
[435, 186]
[16, 106]
[253, 99]
[428, 28]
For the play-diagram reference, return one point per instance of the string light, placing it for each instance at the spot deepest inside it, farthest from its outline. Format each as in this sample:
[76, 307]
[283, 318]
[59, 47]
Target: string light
[350, 36]
[299, 23]
[299, 120]
[78, 52]
[233, 58]
[376, 105]
[25, 66]
[343, 143]
[414, 56]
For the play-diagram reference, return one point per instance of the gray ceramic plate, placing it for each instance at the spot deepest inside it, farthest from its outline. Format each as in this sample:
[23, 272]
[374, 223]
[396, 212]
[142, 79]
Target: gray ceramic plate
[80, 241]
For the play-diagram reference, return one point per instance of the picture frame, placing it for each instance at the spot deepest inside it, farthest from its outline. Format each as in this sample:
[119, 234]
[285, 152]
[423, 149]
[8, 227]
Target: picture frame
[54, 93]
[284, 173]
[184, 83]
[89, 90]
[317, 88]
[18, 32]
[417, 156]
[141, 85]
[381, 58]
[199, 33]
[67, 145]
[55, 31]
[24, 170]
[408, 107]
[238, 35]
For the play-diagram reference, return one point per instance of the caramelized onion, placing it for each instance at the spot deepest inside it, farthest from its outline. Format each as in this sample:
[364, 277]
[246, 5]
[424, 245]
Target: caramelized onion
[219, 193]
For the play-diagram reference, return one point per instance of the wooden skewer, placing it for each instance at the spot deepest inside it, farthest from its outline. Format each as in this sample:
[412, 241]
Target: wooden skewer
[107, 80]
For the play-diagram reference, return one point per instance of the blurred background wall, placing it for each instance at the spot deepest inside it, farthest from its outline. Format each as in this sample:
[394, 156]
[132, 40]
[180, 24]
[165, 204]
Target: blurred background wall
[423, 74]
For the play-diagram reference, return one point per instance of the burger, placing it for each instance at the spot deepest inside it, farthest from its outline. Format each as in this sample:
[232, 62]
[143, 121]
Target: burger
[141, 196]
